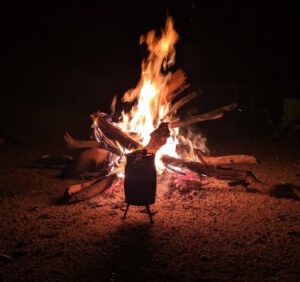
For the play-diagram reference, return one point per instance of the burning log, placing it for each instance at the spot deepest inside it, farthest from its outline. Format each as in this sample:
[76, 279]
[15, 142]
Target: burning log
[176, 84]
[223, 173]
[215, 114]
[158, 138]
[112, 132]
[87, 190]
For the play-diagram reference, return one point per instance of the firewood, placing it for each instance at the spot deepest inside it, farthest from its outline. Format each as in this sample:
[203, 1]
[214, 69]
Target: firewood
[176, 82]
[182, 102]
[233, 159]
[173, 95]
[91, 159]
[82, 192]
[224, 173]
[216, 160]
[158, 138]
[73, 143]
[113, 133]
[215, 114]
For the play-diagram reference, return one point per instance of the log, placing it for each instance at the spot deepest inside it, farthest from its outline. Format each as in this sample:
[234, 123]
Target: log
[95, 159]
[181, 102]
[73, 143]
[215, 114]
[176, 82]
[173, 95]
[113, 133]
[232, 159]
[244, 176]
[158, 138]
[181, 149]
[87, 190]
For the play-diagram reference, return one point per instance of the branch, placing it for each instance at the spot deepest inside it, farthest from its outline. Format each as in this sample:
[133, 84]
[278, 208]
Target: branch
[215, 114]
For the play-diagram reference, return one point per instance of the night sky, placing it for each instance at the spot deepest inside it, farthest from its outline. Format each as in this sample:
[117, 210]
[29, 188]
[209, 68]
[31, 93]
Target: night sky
[78, 56]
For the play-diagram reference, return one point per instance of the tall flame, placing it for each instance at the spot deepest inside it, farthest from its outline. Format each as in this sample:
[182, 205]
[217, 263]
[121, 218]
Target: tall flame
[151, 92]
[150, 98]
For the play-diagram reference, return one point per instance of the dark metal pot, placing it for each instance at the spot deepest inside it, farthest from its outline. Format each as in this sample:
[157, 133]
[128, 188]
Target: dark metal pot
[140, 179]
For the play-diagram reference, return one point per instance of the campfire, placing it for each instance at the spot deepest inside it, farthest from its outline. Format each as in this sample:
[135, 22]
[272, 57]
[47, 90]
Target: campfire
[152, 131]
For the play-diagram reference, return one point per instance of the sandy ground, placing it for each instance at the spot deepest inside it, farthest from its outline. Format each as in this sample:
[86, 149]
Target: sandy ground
[207, 234]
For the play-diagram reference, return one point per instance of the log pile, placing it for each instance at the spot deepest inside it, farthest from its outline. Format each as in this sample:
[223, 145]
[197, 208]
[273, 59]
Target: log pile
[216, 167]
[110, 143]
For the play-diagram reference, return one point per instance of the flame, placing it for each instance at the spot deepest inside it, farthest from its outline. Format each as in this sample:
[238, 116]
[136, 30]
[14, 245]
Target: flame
[151, 92]
[150, 97]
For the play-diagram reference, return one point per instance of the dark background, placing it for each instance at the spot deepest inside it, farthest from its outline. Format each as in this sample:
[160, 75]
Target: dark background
[62, 62]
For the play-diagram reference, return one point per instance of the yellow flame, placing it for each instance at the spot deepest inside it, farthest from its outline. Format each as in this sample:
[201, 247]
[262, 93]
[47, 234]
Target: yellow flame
[151, 105]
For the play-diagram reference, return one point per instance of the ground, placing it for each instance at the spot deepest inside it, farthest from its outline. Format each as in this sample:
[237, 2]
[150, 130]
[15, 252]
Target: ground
[208, 234]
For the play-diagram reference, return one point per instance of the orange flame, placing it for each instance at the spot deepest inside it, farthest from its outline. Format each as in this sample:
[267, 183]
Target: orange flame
[151, 92]
[151, 95]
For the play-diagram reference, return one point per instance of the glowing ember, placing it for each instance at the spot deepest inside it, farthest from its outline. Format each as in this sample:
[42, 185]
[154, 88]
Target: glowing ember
[152, 98]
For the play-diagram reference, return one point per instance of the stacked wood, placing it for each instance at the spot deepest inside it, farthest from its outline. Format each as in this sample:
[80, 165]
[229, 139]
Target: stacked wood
[84, 191]
[225, 173]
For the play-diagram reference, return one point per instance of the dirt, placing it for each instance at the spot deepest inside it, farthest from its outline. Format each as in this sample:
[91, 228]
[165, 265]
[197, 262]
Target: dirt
[207, 233]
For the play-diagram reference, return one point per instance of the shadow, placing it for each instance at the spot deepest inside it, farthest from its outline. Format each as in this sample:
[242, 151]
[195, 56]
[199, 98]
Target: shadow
[125, 254]
[286, 191]
[133, 252]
